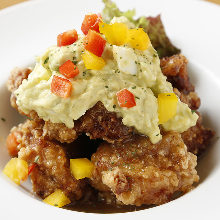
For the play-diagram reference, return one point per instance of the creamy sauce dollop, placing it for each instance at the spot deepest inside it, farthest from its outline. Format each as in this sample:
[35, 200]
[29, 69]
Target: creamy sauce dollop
[138, 71]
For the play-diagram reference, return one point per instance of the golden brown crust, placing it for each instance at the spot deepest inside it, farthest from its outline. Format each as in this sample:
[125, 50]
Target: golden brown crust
[16, 77]
[191, 99]
[175, 68]
[198, 138]
[59, 132]
[52, 171]
[139, 172]
[97, 122]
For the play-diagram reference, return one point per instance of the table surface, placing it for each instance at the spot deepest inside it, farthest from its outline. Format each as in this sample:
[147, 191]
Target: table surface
[7, 3]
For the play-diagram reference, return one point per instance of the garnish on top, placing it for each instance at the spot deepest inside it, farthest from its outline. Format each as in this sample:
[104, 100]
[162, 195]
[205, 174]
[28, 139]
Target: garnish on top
[113, 63]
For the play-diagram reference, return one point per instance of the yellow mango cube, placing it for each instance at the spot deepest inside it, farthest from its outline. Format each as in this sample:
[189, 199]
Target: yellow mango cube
[116, 34]
[167, 106]
[81, 168]
[17, 170]
[138, 39]
[58, 199]
[92, 61]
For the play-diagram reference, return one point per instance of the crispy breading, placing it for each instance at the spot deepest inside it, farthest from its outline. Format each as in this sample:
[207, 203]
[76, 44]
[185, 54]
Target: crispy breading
[175, 68]
[16, 77]
[52, 171]
[198, 138]
[191, 99]
[97, 122]
[139, 172]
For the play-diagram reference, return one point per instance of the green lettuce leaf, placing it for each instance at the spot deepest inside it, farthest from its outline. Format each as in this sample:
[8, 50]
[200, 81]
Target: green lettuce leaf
[111, 10]
[152, 25]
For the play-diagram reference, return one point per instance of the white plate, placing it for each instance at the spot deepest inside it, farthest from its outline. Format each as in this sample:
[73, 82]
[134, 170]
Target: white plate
[29, 28]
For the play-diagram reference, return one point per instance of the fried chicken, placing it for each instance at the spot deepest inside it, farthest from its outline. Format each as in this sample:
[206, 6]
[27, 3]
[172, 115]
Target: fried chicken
[52, 171]
[175, 69]
[191, 99]
[198, 138]
[139, 172]
[16, 77]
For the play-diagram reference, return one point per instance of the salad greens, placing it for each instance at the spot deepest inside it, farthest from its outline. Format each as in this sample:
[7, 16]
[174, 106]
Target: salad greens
[152, 25]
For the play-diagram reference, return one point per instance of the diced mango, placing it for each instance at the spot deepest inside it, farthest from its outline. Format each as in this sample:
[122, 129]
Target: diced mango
[17, 170]
[116, 34]
[138, 39]
[92, 61]
[81, 168]
[167, 106]
[58, 199]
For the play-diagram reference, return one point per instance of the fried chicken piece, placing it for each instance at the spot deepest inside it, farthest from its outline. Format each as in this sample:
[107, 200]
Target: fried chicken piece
[52, 171]
[16, 77]
[139, 172]
[175, 68]
[191, 99]
[198, 138]
[97, 122]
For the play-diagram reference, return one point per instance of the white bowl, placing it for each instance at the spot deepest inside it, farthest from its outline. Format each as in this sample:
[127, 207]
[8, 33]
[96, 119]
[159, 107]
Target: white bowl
[29, 28]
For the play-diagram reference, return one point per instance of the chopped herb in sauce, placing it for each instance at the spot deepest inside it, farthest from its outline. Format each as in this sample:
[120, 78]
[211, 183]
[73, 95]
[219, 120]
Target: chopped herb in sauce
[114, 106]
[106, 87]
[137, 97]
[3, 119]
[46, 60]
[193, 111]
[36, 159]
[134, 87]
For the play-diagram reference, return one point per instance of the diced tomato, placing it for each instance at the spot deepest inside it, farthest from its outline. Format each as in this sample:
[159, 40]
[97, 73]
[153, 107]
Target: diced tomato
[67, 38]
[125, 98]
[69, 69]
[94, 43]
[12, 144]
[61, 87]
[31, 167]
[91, 22]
